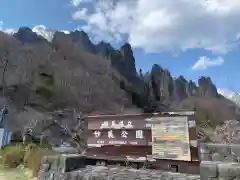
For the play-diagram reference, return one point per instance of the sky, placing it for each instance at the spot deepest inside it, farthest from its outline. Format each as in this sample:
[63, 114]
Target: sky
[189, 37]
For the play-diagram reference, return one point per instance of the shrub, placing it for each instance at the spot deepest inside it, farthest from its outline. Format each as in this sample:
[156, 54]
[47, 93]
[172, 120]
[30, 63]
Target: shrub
[12, 156]
[44, 91]
[44, 85]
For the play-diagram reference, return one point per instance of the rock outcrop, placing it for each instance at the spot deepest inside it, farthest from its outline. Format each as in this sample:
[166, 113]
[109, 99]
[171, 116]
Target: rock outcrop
[207, 88]
[166, 89]
[26, 35]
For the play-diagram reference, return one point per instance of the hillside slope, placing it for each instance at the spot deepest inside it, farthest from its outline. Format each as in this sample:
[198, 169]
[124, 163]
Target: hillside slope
[59, 75]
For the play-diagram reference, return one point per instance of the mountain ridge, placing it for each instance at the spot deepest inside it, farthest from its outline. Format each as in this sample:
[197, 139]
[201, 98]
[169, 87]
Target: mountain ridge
[95, 48]
[235, 97]
[72, 72]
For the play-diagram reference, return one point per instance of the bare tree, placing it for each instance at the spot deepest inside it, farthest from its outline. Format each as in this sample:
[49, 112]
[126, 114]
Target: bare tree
[4, 59]
[76, 133]
[4, 65]
[229, 132]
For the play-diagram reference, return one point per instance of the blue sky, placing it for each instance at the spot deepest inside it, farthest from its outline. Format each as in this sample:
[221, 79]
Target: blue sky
[174, 35]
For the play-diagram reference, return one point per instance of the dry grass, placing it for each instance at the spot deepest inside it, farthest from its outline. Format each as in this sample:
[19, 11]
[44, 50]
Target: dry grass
[12, 156]
[12, 174]
[30, 156]
[33, 157]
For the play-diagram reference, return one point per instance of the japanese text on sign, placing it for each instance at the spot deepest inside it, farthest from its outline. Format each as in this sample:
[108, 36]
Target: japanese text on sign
[114, 124]
[124, 134]
[117, 142]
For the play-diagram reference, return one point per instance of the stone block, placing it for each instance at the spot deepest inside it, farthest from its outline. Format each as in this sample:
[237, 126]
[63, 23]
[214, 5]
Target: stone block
[222, 149]
[228, 171]
[205, 157]
[235, 149]
[55, 160]
[231, 158]
[203, 148]
[58, 165]
[208, 169]
[217, 157]
[72, 162]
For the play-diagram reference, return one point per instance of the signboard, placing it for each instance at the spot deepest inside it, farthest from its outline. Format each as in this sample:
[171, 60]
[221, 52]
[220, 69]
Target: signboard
[118, 137]
[170, 139]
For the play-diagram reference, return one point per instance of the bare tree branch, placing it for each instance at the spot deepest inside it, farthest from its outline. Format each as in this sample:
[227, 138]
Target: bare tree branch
[4, 58]
[229, 132]
[4, 61]
[76, 133]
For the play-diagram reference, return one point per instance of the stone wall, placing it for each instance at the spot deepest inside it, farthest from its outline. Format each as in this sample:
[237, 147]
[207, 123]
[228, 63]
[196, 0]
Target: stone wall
[122, 173]
[219, 161]
[55, 167]
[220, 152]
[71, 167]
[216, 170]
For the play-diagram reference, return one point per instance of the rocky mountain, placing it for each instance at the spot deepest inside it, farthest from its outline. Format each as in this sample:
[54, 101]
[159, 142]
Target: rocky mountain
[159, 88]
[72, 72]
[234, 97]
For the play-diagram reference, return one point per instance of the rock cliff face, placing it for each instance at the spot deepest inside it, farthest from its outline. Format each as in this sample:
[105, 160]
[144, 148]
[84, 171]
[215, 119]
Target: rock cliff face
[166, 89]
[236, 98]
[207, 88]
[26, 35]
[157, 89]
[59, 74]
[71, 71]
